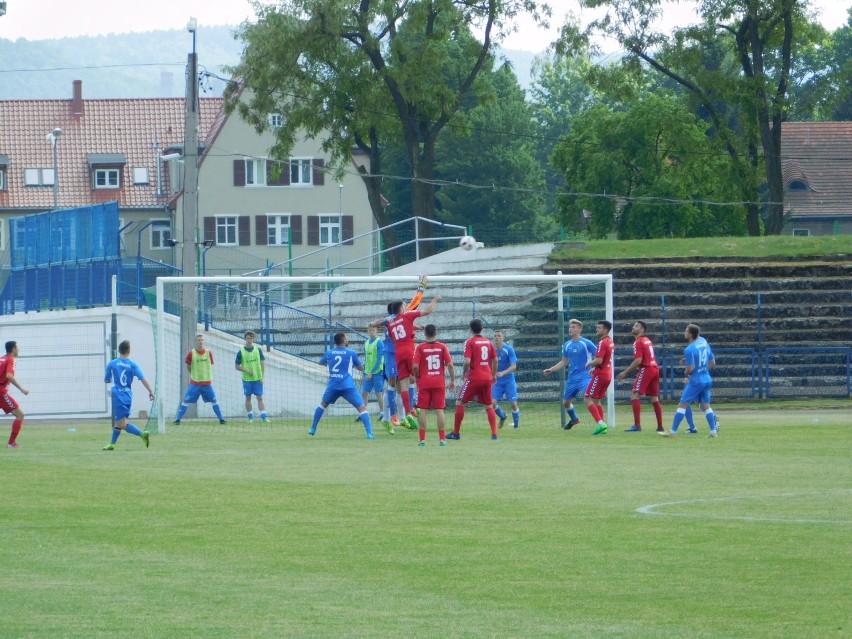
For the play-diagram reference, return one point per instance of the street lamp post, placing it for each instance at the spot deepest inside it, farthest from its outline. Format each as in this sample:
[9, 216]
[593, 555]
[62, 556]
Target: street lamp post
[53, 138]
[340, 222]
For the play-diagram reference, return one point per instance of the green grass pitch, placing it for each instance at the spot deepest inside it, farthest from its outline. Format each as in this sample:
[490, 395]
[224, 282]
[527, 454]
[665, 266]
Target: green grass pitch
[544, 533]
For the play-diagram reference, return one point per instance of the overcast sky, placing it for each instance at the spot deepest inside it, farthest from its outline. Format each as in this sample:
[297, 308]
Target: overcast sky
[40, 19]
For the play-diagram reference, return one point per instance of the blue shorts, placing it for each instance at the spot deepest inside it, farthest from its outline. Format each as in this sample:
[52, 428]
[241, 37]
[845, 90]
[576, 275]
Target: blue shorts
[696, 392]
[253, 388]
[376, 383]
[121, 401]
[194, 391]
[505, 388]
[390, 366]
[575, 386]
[351, 395]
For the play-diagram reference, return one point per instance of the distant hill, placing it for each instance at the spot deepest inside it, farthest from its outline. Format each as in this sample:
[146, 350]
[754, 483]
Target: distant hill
[133, 65]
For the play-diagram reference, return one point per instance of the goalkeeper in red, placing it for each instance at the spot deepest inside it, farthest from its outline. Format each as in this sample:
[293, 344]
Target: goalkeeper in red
[401, 330]
[199, 363]
[647, 380]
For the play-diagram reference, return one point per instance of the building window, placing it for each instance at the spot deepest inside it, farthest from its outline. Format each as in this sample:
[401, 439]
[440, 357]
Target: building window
[38, 177]
[275, 120]
[107, 178]
[226, 230]
[301, 171]
[140, 174]
[277, 229]
[255, 172]
[329, 229]
[161, 233]
[802, 232]
[2, 179]
[798, 185]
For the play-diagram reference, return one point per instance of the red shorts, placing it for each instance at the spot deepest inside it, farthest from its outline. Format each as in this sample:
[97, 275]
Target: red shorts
[431, 398]
[647, 381]
[404, 363]
[597, 387]
[7, 402]
[479, 388]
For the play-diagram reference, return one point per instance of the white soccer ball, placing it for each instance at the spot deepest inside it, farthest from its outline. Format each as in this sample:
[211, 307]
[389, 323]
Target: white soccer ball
[467, 242]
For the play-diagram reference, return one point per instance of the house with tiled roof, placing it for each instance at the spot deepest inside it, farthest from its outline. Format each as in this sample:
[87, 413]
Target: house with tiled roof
[76, 152]
[817, 169]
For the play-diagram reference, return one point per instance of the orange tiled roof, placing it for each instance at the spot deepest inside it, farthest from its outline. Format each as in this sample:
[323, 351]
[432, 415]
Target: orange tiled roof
[128, 127]
[820, 155]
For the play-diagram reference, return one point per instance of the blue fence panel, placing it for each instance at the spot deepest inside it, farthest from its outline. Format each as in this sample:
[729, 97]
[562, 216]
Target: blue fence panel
[808, 371]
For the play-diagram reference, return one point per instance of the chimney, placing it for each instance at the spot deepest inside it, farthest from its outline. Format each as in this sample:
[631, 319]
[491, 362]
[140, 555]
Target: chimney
[77, 98]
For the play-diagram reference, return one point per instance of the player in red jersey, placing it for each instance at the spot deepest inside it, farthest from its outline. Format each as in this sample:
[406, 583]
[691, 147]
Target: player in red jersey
[479, 374]
[601, 367]
[401, 331]
[7, 402]
[647, 380]
[431, 359]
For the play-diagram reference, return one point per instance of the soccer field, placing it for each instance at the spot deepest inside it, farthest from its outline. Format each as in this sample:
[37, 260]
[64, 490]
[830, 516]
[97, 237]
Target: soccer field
[543, 533]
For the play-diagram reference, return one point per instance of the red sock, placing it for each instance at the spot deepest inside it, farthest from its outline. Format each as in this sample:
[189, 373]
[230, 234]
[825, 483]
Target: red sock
[442, 434]
[593, 409]
[637, 411]
[422, 433]
[16, 428]
[658, 411]
[406, 401]
[457, 420]
[492, 419]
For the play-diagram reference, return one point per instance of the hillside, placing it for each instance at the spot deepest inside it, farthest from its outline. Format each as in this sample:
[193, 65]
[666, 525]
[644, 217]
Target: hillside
[134, 65]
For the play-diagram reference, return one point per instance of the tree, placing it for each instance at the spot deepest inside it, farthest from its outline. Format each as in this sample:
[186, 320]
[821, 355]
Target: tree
[823, 90]
[560, 91]
[761, 35]
[635, 170]
[363, 72]
[497, 148]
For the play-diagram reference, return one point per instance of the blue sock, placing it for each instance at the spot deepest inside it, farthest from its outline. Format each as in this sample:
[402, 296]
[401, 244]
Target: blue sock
[392, 401]
[711, 418]
[250, 415]
[689, 419]
[218, 411]
[133, 429]
[572, 414]
[516, 418]
[317, 417]
[678, 418]
[181, 411]
[263, 415]
[500, 412]
[368, 425]
[115, 433]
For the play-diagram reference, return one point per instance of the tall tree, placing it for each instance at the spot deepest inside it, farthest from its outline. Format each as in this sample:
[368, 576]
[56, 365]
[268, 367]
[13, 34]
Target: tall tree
[559, 92]
[761, 35]
[635, 171]
[366, 70]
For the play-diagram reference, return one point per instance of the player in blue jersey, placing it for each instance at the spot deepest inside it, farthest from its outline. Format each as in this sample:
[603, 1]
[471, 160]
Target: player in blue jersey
[577, 352]
[340, 361]
[120, 372]
[699, 359]
[505, 386]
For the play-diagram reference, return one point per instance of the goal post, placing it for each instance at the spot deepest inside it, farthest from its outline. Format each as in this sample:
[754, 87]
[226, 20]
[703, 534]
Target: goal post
[295, 319]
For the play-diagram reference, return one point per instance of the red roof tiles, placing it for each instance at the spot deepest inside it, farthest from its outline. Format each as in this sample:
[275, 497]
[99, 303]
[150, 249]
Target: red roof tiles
[129, 127]
[820, 155]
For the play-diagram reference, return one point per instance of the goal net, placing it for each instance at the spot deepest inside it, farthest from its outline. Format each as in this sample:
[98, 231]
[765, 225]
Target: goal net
[295, 320]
